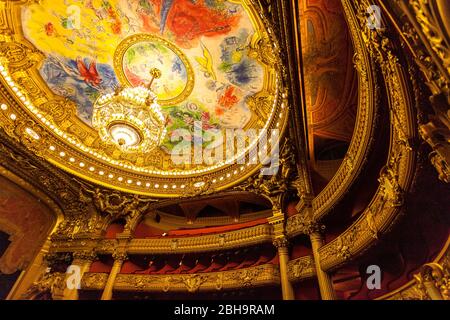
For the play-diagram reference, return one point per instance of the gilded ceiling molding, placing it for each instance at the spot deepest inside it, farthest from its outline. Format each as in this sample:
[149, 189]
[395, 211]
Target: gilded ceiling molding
[360, 145]
[440, 278]
[103, 206]
[397, 176]
[207, 243]
[264, 275]
[111, 205]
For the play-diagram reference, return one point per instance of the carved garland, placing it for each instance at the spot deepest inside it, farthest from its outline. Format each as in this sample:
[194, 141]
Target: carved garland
[263, 275]
[301, 269]
[224, 241]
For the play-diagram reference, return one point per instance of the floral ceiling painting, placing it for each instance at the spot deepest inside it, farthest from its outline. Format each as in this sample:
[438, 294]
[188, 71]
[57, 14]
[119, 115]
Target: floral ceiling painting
[201, 47]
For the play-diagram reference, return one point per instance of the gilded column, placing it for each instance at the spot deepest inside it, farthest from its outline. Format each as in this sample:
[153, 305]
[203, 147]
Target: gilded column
[429, 272]
[119, 258]
[432, 291]
[325, 283]
[82, 262]
[282, 244]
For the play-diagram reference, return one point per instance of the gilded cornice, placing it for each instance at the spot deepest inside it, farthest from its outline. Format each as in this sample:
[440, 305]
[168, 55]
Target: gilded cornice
[102, 206]
[264, 275]
[207, 243]
[425, 30]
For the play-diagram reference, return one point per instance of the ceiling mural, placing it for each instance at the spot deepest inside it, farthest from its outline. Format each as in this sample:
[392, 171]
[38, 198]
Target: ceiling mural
[201, 47]
[219, 69]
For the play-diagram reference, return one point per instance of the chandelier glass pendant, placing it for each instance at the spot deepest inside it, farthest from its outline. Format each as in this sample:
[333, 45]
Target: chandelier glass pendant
[131, 117]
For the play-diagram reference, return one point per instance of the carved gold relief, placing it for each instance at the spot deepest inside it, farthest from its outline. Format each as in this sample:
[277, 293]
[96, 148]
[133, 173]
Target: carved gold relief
[50, 283]
[216, 281]
[301, 268]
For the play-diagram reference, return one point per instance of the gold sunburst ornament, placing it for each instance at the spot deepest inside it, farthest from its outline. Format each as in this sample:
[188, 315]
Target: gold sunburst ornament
[131, 117]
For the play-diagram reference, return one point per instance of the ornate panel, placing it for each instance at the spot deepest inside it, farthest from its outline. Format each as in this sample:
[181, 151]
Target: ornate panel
[223, 241]
[263, 275]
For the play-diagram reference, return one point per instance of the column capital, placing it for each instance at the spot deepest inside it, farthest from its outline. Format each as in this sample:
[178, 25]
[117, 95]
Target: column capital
[276, 218]
[120, 256]
[87, 255]
[304, 224]
[315, 231]
[315, 228]
[281, 242]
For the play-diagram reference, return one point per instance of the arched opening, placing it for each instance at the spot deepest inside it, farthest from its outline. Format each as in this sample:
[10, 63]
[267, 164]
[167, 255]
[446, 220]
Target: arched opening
[6, 280]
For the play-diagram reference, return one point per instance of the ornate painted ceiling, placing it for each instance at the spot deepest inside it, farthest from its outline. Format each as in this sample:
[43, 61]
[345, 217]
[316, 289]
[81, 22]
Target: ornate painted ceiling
[220, 71]
[381, 205]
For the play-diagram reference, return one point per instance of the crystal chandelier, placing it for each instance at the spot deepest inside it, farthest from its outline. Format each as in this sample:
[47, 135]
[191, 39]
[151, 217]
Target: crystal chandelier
[131, 117]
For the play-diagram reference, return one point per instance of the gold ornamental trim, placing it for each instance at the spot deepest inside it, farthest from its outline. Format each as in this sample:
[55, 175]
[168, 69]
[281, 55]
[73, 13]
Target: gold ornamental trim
[207, 243]
[301, 269]
[425, 31]
[264, 275]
